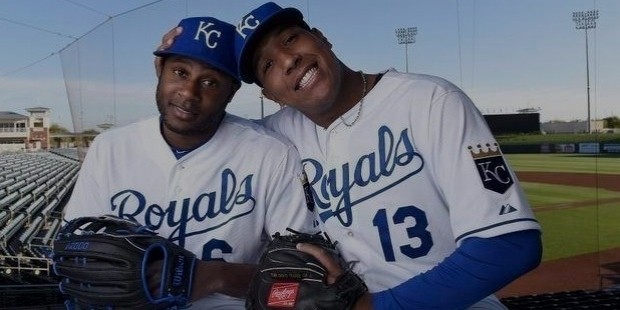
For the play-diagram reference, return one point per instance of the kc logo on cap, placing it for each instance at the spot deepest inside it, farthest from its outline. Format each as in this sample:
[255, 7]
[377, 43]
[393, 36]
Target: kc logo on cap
[208, 40]
[253, 26]
[205, 32]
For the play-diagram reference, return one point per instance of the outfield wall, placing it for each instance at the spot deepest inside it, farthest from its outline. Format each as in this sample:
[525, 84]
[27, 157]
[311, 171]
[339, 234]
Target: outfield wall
[582, 148]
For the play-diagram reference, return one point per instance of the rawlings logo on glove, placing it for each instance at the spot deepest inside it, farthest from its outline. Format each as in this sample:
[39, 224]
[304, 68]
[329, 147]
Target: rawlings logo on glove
[291, 279]
[283, 295]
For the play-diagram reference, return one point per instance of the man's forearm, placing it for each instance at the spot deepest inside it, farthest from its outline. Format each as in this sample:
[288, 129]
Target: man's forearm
[221, 277]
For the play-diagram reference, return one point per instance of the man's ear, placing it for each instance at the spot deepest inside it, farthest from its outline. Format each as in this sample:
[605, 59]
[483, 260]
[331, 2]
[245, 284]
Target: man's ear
[159, 65]
[320, 35]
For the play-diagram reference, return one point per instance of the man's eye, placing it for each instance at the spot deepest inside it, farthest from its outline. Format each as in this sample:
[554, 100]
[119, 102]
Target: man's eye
[267, 65]
[209, 83]
[290, 39]
[179, 72]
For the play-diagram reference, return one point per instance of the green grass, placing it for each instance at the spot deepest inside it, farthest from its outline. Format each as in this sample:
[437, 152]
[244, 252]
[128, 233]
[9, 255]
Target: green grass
[569, 230]
[578, 163]
[575, 220]
[543, 195]
[608, 228]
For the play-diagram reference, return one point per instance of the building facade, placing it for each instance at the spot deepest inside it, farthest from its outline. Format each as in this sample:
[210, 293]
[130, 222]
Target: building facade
[596, 126]
[25, 132]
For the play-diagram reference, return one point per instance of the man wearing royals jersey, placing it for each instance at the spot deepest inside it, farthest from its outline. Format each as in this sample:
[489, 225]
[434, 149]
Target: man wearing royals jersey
[212, 182]
[405, 173]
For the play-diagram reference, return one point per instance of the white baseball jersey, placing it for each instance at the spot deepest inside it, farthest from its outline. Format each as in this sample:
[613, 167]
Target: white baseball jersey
[418, 173]
[221, 201]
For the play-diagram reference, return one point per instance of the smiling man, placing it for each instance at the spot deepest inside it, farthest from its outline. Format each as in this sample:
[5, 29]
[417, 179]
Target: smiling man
[405, 173]
[216, 184]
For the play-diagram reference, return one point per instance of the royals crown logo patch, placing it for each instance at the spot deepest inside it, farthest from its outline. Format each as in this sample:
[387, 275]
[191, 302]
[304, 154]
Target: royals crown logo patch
[492, 168]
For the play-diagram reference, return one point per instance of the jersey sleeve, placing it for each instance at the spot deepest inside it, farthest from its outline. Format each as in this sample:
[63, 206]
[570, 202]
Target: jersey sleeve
[482, 266]
[86, 198]
[481, 190]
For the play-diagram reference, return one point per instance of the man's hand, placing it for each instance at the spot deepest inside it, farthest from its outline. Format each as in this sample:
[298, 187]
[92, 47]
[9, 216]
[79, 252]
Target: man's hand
[166, 42]
[210, 277]
[216, 276]
[327, 260]
[290, 277]
[333, 271]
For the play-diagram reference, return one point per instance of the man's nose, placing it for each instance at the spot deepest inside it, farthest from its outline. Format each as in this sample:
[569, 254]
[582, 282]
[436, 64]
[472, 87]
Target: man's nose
[291, 61]
[190, 91]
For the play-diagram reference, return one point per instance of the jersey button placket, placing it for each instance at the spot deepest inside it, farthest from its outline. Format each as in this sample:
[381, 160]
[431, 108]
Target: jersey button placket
[177, 174]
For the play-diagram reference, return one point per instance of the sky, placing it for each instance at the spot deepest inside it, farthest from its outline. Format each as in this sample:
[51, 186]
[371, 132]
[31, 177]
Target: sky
[91, 62]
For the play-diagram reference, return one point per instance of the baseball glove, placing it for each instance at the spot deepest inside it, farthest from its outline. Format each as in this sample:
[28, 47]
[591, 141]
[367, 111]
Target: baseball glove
[102, 264]
[291, 279]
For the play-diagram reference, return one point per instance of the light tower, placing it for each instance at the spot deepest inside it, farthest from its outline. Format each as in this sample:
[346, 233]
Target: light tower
[406, 36]
[585, 21]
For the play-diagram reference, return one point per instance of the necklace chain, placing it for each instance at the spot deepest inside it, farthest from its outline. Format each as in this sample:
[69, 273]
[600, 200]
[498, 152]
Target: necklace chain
[359, 110]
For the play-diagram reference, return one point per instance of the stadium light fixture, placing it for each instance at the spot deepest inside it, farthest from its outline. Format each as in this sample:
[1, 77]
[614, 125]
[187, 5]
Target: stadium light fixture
[406, 36]
[585, 21]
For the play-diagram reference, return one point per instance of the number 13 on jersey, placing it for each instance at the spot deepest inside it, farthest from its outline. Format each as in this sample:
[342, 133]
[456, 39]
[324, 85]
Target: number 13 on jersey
[420, 241]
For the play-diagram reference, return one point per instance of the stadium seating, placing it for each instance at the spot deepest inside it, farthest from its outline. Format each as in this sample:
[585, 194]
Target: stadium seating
[581, 299]
[33, 190]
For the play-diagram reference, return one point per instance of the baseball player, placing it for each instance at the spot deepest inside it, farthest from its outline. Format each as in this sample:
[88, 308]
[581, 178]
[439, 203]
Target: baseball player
[209, 181]
[405, 173]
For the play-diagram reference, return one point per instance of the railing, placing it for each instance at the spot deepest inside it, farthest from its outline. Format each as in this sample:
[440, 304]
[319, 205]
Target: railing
[5, 129]
[25, 263]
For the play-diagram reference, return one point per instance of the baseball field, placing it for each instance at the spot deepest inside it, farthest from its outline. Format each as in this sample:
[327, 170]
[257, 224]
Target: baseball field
[576, 198]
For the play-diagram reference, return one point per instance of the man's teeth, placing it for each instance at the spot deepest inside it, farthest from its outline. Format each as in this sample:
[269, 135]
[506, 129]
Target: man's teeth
[183, 110]
[307, 78]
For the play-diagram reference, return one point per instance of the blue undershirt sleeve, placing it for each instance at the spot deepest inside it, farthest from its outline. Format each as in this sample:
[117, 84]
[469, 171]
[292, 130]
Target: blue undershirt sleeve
[478, 268]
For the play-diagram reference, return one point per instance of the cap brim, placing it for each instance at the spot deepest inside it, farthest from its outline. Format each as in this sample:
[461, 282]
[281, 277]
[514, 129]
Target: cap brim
[215, 64]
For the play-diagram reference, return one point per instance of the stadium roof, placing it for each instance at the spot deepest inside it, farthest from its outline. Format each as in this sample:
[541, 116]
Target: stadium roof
[37, 109]
[7, 115]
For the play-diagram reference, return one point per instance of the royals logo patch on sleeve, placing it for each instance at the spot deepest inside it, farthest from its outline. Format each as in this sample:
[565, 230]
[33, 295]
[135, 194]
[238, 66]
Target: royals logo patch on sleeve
[307, 190]
[492, 168]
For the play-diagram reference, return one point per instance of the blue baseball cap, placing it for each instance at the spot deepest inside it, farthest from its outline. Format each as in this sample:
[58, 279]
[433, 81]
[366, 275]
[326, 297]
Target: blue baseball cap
[256, 24]
[208, 40]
